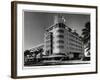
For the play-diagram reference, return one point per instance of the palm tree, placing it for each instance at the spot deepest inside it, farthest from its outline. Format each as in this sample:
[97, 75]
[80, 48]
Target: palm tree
[38, 51]
[86, 36]
[26, 54]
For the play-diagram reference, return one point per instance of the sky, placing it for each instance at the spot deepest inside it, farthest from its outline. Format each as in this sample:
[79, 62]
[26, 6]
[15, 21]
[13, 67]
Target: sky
[35, 24]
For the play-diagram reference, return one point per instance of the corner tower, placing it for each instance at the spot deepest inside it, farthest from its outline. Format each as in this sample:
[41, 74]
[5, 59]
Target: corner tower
[57, 30]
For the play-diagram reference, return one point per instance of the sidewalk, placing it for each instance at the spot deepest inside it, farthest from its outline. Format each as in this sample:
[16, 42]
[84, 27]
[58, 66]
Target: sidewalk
[76, 61]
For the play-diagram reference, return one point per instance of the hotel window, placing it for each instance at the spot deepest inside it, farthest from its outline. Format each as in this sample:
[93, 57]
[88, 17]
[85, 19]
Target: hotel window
[60, 46]
[60, 41]
[60, 36]
[60, 31]
[61, 25]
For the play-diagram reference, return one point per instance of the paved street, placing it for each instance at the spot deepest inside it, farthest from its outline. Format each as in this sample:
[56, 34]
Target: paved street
[75, 61]
[55, 62]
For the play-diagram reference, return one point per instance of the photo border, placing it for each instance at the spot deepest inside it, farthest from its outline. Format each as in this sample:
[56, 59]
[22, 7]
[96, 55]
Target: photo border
[14, 38]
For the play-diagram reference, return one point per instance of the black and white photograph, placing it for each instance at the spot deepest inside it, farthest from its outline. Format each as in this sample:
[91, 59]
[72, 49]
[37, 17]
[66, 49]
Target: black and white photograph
[53, 39]
[56, 39]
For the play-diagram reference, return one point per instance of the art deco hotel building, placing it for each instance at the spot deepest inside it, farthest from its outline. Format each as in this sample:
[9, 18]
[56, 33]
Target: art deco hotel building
[60, 39]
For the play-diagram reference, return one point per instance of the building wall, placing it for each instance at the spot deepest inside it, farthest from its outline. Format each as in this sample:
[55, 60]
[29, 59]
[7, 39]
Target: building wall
[48, 43]
[73, 41]
[64, 41]
[73, 44]
[58, 40]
